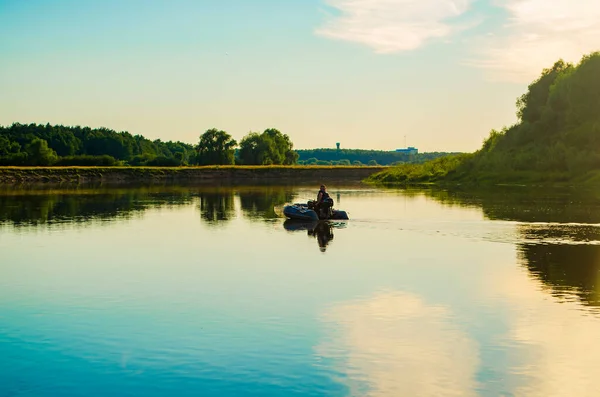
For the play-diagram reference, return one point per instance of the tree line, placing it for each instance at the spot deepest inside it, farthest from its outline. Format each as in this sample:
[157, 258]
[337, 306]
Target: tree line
[58, 145]
[45, 145]
[362, 157]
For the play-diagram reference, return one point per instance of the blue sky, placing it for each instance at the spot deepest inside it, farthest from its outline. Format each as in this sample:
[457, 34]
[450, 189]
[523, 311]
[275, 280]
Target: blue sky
[365, 73]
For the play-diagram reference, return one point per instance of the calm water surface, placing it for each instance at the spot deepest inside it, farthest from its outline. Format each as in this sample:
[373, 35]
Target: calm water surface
[188, 291]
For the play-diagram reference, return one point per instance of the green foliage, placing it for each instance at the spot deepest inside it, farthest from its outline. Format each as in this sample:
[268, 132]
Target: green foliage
[420, 173]
[381, 157]
[39, 153]
[216, 147]
[531, 105]
[84, 146]
[557, 138]
[163, 161]
[270, 147]
[87, 161]
[20, 158]
[7, 147]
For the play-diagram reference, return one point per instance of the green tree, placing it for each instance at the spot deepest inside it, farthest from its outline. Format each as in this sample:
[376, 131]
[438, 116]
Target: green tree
[531, 104]
[255, 150]
[216, 147]
[270, 147]
[283, 152]
[40, 153]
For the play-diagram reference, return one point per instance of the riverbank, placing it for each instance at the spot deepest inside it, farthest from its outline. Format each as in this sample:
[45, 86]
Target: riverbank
[398, 178]
[200, 175]
[456, 171]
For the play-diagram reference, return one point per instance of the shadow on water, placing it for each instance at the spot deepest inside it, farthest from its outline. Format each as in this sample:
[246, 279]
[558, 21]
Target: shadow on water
[558, 233]
[322, 231]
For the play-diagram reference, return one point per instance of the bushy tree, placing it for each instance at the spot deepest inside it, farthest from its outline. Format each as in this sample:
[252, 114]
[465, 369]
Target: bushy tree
[40, 154]
[216, 147]
[270, 147]
[254, 150]
[530, 105]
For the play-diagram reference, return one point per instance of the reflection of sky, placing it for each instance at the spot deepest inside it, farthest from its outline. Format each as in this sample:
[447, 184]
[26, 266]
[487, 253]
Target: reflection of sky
[394, 344]
[412, 297]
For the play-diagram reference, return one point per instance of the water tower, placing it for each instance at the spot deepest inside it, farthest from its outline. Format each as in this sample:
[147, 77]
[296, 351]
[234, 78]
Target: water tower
[337, 144]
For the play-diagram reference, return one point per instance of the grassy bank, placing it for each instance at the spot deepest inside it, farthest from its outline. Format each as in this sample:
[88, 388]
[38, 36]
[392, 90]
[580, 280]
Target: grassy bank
[209, 174]
[426, 173]
[458, 170]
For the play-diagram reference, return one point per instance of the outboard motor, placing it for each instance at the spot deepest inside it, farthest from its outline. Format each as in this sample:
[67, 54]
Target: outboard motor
[326, 208]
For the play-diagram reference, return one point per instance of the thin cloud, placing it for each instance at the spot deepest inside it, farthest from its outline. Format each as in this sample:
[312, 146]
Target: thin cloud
[541, 32]
[389, 26]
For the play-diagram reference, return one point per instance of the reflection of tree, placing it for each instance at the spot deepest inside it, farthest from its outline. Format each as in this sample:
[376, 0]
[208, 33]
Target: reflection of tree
[40, 207]
[216, 206]
[261, 203]
[524, 204]
[568, 268]
[558, 241]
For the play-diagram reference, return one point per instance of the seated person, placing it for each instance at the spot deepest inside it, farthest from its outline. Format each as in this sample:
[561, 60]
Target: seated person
[324, 203]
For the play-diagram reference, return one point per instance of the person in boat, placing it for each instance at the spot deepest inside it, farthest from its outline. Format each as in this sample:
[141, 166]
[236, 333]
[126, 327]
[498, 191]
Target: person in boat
[323, 203]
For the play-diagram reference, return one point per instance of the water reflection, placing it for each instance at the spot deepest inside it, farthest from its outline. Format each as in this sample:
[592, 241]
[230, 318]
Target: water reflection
[396, 344]
[322, 231]
[260, 204]
[569, 270]
[216, 206]
[524, 204]
[558, 234]
[30, 208]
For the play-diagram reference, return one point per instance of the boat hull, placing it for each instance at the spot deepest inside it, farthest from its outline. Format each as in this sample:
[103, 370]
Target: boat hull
[302, 212]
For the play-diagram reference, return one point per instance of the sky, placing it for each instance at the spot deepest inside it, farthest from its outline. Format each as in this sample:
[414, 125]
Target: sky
[370, 74]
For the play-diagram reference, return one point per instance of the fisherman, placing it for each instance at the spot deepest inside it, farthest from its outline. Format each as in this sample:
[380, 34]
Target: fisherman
[324, 203]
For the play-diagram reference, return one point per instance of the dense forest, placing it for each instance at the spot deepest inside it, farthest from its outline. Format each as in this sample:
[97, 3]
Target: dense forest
[46, 145]
[33, 144]
[360, 157]
[557, 137]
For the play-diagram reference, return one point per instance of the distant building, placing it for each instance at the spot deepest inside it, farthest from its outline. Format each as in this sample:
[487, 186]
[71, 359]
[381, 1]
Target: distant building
[337, 145]
[408, 150]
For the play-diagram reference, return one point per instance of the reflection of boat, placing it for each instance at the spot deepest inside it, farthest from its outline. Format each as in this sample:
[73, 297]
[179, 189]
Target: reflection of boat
[307, 212]
[322, 230]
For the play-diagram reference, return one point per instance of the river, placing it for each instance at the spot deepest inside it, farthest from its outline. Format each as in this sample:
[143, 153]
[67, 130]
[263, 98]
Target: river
[197, 291]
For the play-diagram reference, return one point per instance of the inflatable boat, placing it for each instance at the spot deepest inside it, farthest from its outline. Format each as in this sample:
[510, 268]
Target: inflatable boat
[307, 212]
